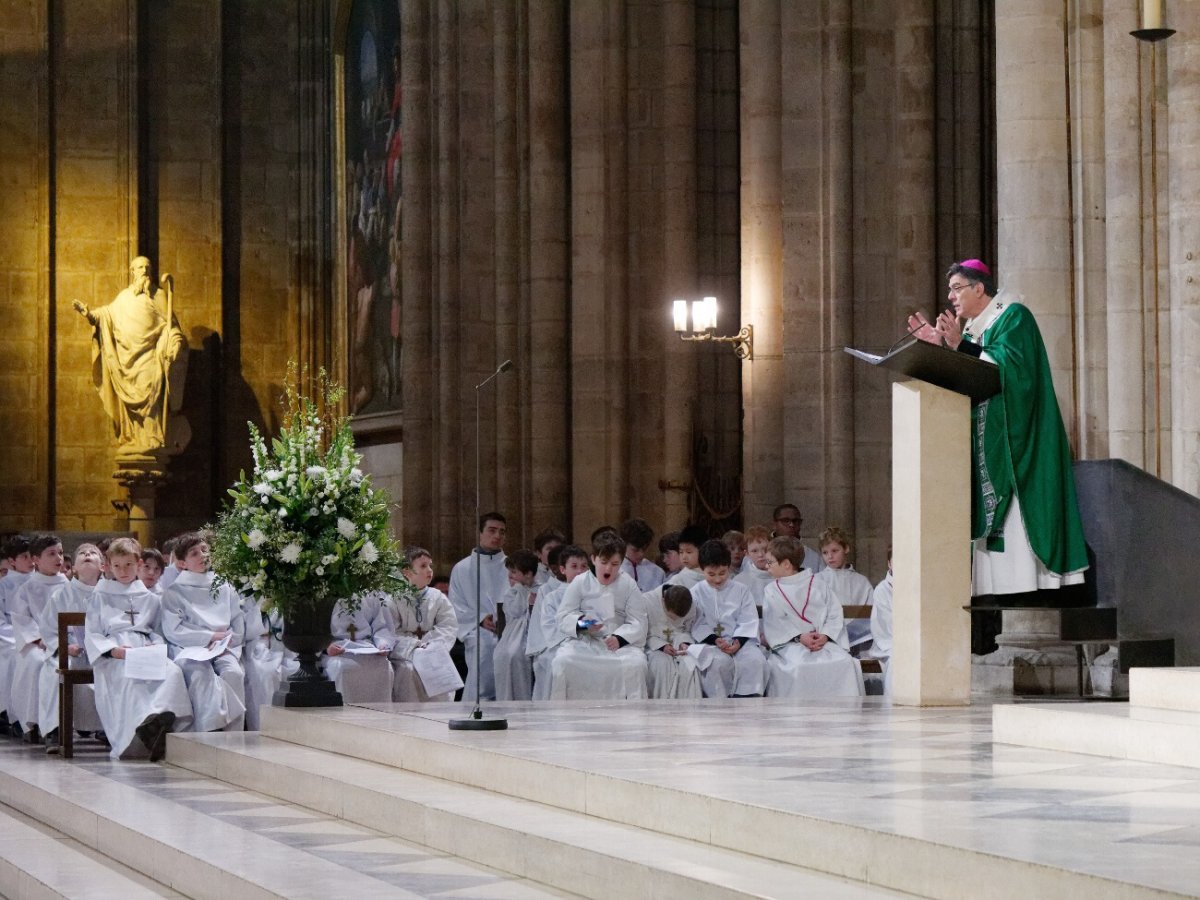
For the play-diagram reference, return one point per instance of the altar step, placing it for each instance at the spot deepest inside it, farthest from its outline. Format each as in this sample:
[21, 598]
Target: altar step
[1160, 724]
[571, 851]
[103, 829]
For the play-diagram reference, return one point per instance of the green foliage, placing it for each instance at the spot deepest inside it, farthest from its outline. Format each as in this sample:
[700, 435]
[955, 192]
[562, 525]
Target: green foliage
[307, 526]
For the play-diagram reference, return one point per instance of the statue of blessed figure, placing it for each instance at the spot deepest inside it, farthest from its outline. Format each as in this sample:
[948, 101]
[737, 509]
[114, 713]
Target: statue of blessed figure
[138, 359]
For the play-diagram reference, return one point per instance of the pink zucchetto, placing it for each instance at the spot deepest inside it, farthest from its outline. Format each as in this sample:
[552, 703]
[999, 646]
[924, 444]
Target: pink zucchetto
[976, 264]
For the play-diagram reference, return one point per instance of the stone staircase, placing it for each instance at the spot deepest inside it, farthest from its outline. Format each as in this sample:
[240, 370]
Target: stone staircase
[1160, 724]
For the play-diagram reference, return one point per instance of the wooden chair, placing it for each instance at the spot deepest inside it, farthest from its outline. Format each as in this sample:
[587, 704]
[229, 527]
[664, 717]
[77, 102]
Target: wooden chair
[67, 679]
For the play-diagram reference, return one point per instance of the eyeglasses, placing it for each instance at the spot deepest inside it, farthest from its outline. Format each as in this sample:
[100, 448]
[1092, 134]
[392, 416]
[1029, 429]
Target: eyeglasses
[957, 289]
[787, 520]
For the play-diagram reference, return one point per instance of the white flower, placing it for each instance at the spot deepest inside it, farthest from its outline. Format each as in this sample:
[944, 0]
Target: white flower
[273, 475]
[368, 553]
[290, 553]
[356, 475]
[328, 559]
[314, 471]
[320, 570]
[346, 528]
[263, 490]
[282, 513]
[255, 539]
[312, 511]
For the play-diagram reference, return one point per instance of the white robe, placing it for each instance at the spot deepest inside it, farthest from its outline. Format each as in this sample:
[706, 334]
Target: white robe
[544, 638]
[669, 677]
[25, 608]
[584, 668]
[190, 616]
[647, 576]
[71, 597]
[362, 678]
[756, 580]
[493, 582]
[428, 621]
[122, 615]
[730, 611]
[881, 629]
[796, 605]
[9, 585]
[513, 669]
[266, 661]
[850, 588]
[686, 577]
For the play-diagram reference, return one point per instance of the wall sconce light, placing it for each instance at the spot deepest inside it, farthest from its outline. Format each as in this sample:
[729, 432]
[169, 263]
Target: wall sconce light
[704, 326]
[1152, 29]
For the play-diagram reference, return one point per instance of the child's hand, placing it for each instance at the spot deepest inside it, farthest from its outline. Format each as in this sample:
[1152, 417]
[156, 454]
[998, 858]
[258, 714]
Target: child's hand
[118, 653]
[813, 640]
[596, 628]
[335, 650]
[612, 643]
[74, 650]
[668, 649]
[489, 622]
[728, 645]
[218, 636]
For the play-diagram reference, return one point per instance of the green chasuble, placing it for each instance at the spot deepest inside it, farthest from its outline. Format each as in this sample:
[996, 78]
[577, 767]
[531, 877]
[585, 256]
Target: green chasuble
[1019, 445]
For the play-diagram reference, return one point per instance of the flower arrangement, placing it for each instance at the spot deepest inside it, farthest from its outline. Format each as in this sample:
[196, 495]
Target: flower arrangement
[307, 527]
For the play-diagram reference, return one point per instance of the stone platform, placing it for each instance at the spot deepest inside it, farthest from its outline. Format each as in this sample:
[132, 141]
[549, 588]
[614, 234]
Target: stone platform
[757, 798]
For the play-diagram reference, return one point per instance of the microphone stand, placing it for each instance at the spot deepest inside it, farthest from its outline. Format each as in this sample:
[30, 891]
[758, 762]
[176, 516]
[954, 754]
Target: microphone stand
[476, 721]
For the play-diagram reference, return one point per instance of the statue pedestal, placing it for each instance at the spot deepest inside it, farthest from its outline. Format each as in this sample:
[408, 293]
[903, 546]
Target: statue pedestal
[1031, 658]
[141, 474]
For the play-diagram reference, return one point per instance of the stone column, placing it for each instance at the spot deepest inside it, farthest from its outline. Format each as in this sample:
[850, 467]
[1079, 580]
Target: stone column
[763, 381]
[1033, 171]
[547, 250]
[600, 263]
[1183, 60]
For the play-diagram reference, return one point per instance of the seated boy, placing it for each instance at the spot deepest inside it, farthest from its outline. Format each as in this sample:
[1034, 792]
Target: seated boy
[731, 663]
[544, 544]
[357, 660]
[150, 570]
[193, 617]
[802, 621]
[637, 535]
[846, 586]
[20, 566]
[267, 662]
[545, 637]
[25, 610]
[736, 542]
[668, 553]
[421, 621]
[690, 573]
[71, 597]
[513, 670]
[881, 625]
[123, 614]
[670, 616]
[604, 621]
[756, 577]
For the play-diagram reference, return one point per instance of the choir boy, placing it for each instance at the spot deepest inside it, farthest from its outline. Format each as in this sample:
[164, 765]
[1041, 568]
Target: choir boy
[881, 625]
[424, 619]
[545, 637]
[802, 622]
[194, 615]
[267, 662]
[690, 573]
[670, 617]
[668, 553]
[846, 586]
[71, 597]
[172, 564]
[756, 577]
[150, 570]
[545, 543]
[736, 542]
[513, 669]
[732, 662]
[25, 610]
[637, 535]
[357, 660]
[20, 566]
[603, 619]
[484, 565]
[122, 614]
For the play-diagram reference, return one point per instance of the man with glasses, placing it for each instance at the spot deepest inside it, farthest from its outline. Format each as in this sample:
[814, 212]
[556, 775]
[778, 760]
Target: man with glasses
[1025, 523]
[788, 520]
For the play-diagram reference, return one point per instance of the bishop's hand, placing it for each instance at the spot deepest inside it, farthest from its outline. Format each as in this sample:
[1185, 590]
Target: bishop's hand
[923, 329]
[949, 330]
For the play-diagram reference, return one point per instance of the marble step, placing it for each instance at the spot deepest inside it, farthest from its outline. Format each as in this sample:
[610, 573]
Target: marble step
[205, 839]
[1165, 688]
[39, 863]
[566, 850]
[1117, 731]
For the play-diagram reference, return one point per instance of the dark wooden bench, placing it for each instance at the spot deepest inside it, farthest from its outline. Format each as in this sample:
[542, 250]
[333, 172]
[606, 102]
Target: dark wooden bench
[67, 679]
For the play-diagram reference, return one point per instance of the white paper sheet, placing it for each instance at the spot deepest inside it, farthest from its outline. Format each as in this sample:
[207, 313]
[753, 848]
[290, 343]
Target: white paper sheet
[436, 670]
[360, 648]
[200, 654]
[146, 663]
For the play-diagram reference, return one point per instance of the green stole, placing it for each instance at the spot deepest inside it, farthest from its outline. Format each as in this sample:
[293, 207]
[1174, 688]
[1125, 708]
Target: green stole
[1019, 446]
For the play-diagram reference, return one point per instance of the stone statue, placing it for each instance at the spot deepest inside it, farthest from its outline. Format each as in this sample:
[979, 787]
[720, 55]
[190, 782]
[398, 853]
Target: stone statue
[139, 361]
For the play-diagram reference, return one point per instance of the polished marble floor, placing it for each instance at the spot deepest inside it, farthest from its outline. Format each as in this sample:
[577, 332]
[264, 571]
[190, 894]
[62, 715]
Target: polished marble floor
[932, 774]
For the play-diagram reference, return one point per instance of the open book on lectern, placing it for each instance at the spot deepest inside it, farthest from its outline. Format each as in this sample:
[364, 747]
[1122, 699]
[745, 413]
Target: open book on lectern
[949, 369]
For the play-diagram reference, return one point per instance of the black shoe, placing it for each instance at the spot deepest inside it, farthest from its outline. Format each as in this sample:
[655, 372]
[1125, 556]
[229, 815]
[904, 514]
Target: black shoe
[52, 743]
[4, 718]
[33, 735]
[153, 733]
[15, 730]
